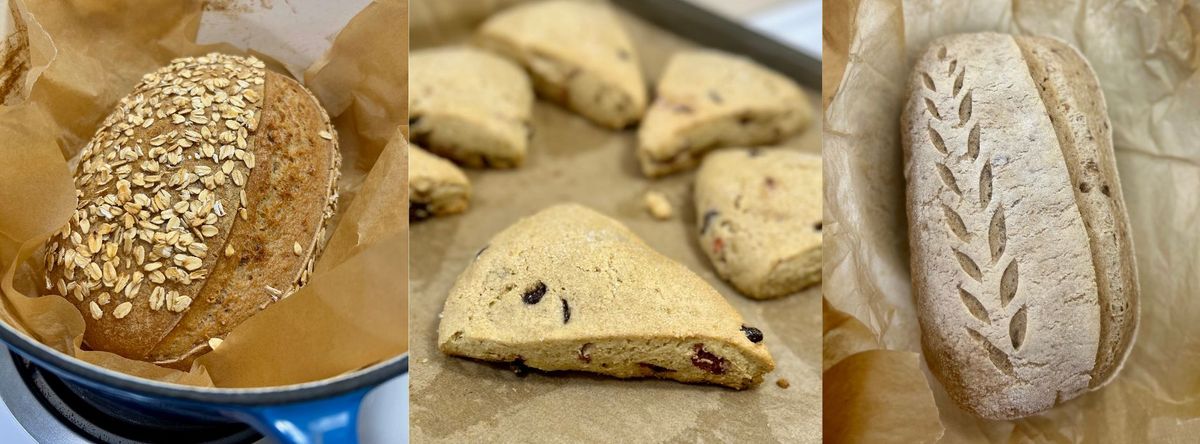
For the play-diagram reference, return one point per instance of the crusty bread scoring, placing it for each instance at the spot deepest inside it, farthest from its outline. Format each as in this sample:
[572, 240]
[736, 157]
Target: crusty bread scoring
[201, 199]
[1022, 265]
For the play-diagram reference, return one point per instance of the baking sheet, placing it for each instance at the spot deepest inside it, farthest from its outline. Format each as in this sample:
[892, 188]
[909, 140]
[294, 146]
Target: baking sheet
[1147, 58]
[572, 160]
[84, 56]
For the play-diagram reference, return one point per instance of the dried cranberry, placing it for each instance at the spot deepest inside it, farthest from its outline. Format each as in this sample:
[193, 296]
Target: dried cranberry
[708, 218]
[519, 368]
[707, 361]
[566, 311]
[753, 334]
[534, 295]
[584, 353]
[418, 211]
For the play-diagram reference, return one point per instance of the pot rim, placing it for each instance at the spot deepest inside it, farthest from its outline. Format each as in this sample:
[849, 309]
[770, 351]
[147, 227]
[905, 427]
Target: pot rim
[86, 372]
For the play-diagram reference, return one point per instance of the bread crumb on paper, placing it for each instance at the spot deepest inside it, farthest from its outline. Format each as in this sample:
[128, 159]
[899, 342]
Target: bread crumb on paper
[657, 205]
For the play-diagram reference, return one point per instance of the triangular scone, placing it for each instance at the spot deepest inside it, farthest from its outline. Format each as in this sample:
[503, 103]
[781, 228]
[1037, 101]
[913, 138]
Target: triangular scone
[470, 106]
[578, 54]
[759, 213]
[571, 289]
[435, 186]
[709, 99]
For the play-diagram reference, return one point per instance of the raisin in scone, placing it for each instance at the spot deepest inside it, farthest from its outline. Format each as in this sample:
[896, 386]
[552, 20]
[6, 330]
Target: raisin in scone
[708, 99]
[759, 213]
[571, 289]
[578, 55]
[435, 186]
[470, 106]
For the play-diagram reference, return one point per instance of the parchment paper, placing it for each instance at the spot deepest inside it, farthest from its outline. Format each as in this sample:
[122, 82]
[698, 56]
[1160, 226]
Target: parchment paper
[84, 56]
[1145, 55]
[572, 160]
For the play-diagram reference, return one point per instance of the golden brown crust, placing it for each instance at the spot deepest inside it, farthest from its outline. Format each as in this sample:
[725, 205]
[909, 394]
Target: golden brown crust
[160, 191]
[287, 196]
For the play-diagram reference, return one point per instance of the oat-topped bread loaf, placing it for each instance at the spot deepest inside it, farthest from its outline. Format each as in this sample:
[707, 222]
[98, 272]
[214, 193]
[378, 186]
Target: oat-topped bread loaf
[571, 289]
[435, 186]
[1022, 261]
[202, 199]
[578, 55]
[470, 106]
[709, 99]
[759, 213]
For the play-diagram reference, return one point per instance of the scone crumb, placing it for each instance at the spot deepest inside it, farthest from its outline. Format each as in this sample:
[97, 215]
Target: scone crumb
[657, 204]
[783, 383]
[296, 248]
[213, 343]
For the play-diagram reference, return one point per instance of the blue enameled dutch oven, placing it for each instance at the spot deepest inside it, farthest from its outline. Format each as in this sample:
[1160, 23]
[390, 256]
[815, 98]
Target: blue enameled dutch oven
[318, 412]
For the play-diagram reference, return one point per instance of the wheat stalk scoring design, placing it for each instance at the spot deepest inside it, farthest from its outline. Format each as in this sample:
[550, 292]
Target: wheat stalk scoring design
[953, 165]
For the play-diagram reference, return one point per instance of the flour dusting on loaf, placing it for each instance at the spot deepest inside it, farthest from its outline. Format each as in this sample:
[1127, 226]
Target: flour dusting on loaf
[1009, 268]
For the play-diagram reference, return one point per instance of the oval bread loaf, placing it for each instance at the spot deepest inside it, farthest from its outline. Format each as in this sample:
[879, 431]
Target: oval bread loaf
[1022, 262]
[202, 199]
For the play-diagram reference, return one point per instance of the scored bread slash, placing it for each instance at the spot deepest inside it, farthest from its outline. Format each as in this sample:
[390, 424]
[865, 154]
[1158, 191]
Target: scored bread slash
[158, 186]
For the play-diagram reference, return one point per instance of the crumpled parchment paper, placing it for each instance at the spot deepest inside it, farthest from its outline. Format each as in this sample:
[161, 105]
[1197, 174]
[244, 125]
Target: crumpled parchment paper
[1147, 57]
[84, 55]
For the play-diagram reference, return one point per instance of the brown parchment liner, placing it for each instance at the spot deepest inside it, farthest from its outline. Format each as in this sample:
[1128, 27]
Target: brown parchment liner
[84, 55]
[573, 160]
[1146, 57]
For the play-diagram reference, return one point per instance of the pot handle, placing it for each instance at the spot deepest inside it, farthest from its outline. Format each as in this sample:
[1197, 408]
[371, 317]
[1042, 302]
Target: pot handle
[325, 421]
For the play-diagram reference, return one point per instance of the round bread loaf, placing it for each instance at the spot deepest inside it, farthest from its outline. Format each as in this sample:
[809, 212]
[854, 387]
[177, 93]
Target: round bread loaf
[202, 199]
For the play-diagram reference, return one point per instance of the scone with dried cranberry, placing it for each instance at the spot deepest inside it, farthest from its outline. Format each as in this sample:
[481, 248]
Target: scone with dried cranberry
[435, 186]
[578, 55]
[571, 289]
[759, 213]
[709, 99]
[469, 106]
